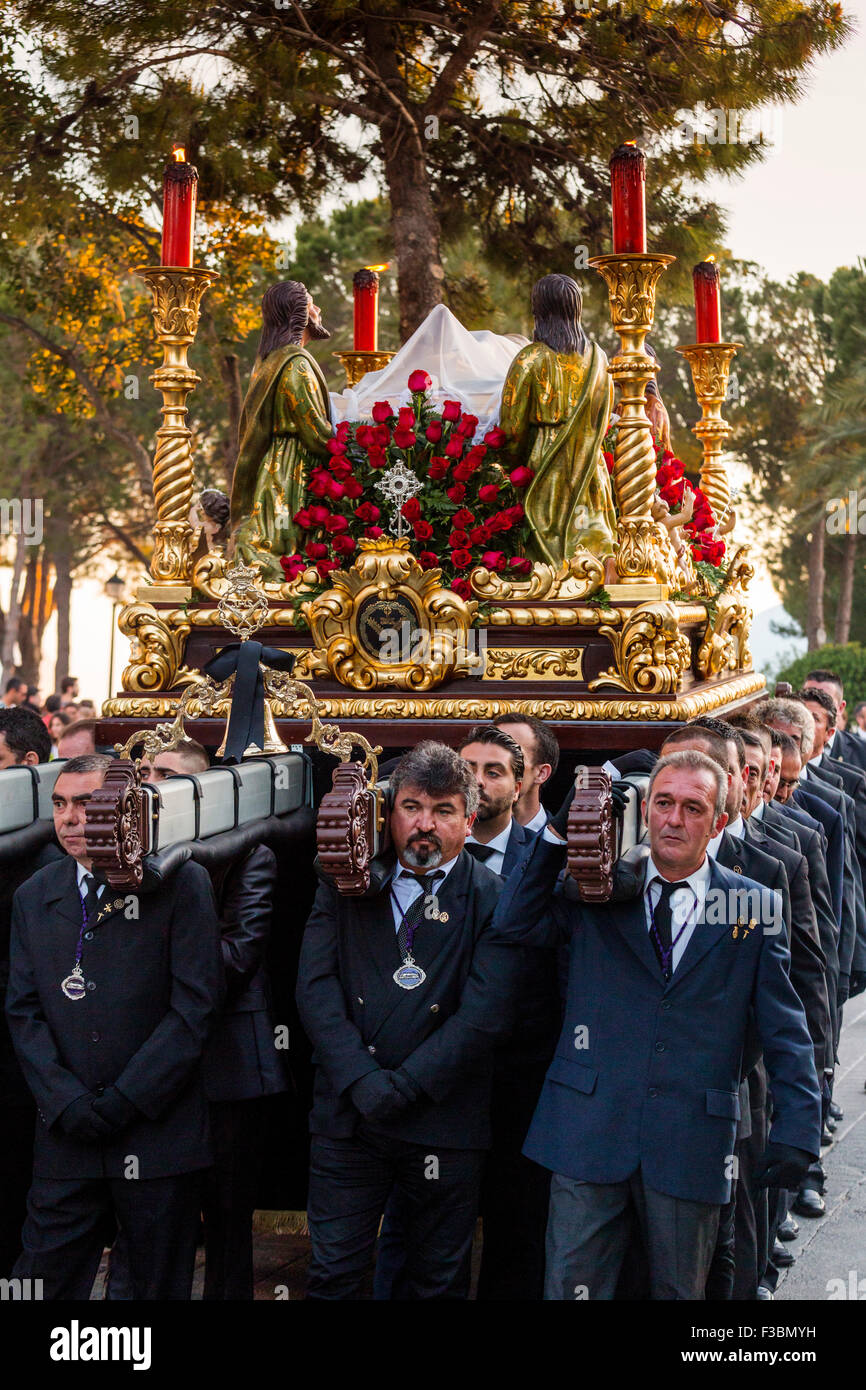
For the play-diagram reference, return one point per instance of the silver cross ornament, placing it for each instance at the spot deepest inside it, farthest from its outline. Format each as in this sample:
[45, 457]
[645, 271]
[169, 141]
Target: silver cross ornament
[397, 485]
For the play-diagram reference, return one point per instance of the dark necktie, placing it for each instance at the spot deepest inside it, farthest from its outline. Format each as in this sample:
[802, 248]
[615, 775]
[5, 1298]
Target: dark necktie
[414, 914]
[480, 852]
[661, 919]
[91, 897]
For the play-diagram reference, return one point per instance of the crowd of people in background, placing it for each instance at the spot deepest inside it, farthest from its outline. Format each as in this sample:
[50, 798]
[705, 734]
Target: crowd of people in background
[69, 719]
[634, 1094]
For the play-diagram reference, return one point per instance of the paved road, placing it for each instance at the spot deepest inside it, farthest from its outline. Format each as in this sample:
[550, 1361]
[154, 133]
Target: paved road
[834, 1248]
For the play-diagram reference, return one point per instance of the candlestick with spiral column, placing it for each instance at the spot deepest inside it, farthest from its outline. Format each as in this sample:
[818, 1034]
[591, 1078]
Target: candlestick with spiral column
[710, 364]
[177, 295]
[631, 280]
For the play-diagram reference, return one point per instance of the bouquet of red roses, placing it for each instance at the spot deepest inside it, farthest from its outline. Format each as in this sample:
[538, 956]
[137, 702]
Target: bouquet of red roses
[468, 511]
[672, 484]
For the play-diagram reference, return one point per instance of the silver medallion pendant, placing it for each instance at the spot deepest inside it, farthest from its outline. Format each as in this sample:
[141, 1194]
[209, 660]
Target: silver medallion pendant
[409, 975]
[73, 986]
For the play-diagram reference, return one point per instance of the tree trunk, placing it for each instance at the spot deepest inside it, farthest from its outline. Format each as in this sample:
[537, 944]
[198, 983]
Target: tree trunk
[62, 599]
[29, 669]
[13, 617]
[816, 634]
[230, 372]
[842, 627]
[415, 233]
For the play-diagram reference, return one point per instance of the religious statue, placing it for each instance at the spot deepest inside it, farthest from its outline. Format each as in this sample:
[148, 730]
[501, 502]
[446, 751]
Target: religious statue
[209, 516]
[556, 405]
[285, 428]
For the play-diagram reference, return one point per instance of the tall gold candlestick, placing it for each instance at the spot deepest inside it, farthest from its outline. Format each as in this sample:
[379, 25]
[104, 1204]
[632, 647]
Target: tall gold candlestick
[356, 363]
[177, 295]
[711, 364]
[631, 280]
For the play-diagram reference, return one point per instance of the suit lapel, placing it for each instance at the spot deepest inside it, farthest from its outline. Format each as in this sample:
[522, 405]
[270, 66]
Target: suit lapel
[630, 919]
[63, 893]
[706, 934]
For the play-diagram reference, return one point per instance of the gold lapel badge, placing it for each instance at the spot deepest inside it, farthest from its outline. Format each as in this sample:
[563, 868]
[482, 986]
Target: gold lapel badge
[745, 928]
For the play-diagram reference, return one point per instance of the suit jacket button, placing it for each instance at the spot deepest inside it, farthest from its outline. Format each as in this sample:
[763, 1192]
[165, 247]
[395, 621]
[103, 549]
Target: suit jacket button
[100, 1090]
[94, 1036]
[434, 1008]
[652, 1093]
[371, 1049]
[91, 985]
[666, 1003]
[88, 936]
[360, 1000]
[660, 1047]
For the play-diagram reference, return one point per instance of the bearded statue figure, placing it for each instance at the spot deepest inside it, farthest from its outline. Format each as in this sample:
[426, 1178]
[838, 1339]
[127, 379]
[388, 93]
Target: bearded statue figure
[556, 405]
[284, 430]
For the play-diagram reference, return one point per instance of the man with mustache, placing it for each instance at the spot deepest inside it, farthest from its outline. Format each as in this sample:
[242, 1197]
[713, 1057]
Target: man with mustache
[404, 994]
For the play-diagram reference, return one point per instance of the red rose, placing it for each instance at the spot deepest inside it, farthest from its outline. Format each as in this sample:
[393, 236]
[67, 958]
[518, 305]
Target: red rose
[468, 425]
[488, 494]
[521, 477]
[373, 533]
[353, 488]
[493, 560]
[461, 587]
[516, 512]
[319, 515]
[608, 458]
[316, 550]
[405, 418]
[319, 483]
[463, 472]
[672, 495]
[458, 540]
[495, 437]
[324, 568]
[479, 535]
[344, 429]
[381, 436]
[343, 545]
[420, 381]
[363, 435]
[404, 439]
[463, 518]
[520, 565]
[456, 493]
[336, 524]
[664, 476]
[454, 448]
[438, 468]
[461, 558]
[667, 455]
[335, 490]
[451, 410]
[697, 553]
[477, 454]
[423, 530]
[303, 519]
[292, 566]
[340, 467]
[336, 445]
[367, 511]
[434, 431]
[382, 412]
[411, 509]
[427, 560]
[377, 458]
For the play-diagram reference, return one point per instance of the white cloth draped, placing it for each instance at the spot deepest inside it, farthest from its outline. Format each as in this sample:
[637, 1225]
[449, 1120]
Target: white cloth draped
[466, 367]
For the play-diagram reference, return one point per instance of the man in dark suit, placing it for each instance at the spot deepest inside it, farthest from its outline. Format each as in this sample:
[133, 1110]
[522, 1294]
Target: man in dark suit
[640, 1105]
[110, 1000]
[842, 744]
[540, 761]
[24, 742]
[515, 1191]
[404, 996]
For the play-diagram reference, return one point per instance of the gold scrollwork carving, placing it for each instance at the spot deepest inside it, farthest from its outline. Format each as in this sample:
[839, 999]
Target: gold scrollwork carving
[580, 576]
[725, 642]
[544, 663]
[157, 648]
[650, 652]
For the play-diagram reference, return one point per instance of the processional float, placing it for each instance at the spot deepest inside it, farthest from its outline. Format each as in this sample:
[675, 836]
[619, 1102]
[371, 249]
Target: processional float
[611, 652]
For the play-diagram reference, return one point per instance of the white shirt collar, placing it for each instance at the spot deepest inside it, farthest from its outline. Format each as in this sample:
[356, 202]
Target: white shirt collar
[758, 813]
[699, 881]
[828, 746]
[802, 776]
[538, 822]
[500, 842]
[81, 874]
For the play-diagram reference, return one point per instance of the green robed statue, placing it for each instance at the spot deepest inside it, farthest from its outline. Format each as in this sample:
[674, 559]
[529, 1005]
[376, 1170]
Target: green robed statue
[556, 404]
[285, 428]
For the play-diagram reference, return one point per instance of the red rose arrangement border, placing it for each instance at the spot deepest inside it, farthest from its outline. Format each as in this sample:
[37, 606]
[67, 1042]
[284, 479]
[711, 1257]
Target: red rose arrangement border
[468, 512]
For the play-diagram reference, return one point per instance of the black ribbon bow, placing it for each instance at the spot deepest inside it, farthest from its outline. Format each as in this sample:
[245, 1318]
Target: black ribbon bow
[247, 718]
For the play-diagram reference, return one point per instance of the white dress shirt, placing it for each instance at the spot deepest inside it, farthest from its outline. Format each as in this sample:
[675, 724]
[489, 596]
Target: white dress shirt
[687, 904]
[405, 887]
[538, 822]
[82, 874]
[758, 813]
[498, 844]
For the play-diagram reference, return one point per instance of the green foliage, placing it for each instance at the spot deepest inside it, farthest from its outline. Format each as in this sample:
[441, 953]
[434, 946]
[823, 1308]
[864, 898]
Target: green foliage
[849, 663]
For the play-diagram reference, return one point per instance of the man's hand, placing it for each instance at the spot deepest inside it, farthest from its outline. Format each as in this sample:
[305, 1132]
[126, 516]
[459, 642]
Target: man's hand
[781, 1165]
[114, 1109]
[378, 1096]
[81, 1121]
[619, 793]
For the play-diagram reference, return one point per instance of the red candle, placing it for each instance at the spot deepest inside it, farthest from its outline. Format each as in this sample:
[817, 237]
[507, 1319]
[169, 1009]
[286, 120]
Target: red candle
[365, 286]
[708, 306]
[628, 198]
[178, 210]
